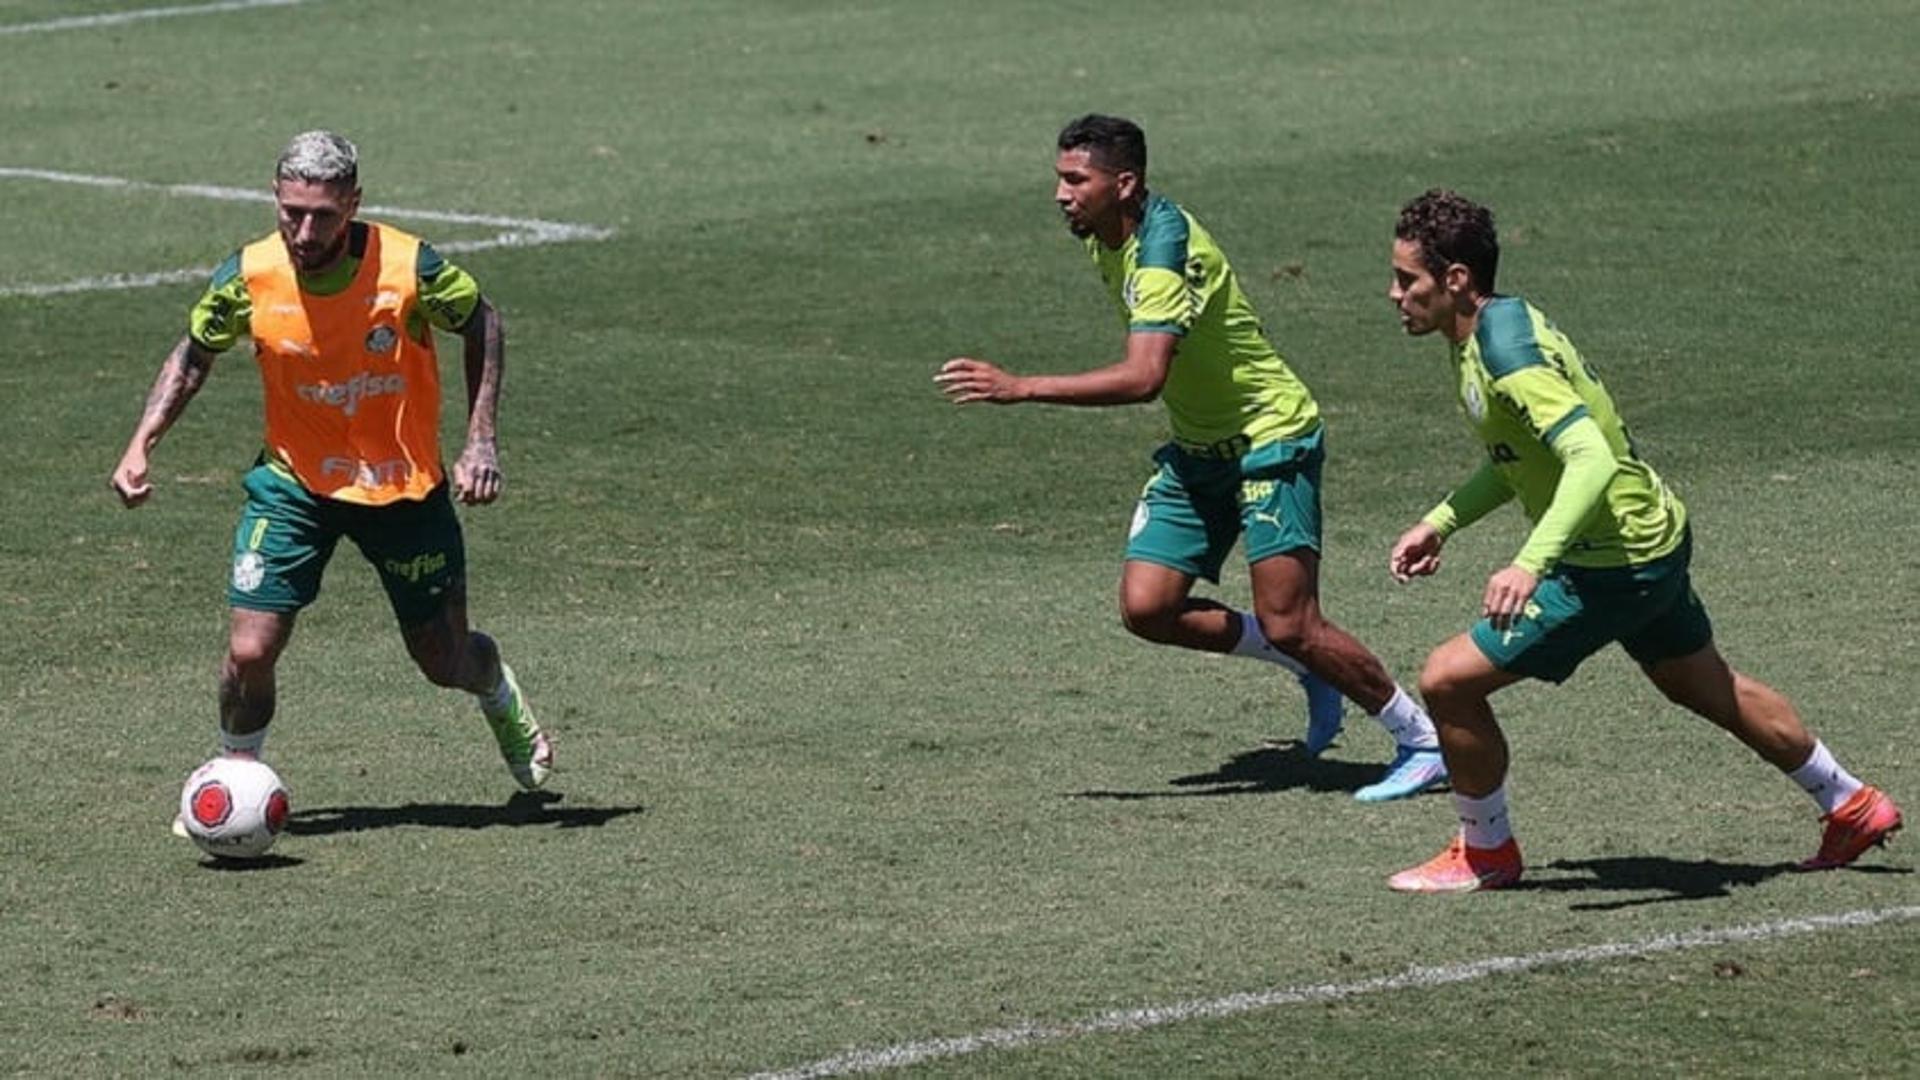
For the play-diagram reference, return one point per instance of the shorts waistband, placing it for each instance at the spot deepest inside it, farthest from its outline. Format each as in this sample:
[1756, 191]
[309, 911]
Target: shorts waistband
[1229, 449]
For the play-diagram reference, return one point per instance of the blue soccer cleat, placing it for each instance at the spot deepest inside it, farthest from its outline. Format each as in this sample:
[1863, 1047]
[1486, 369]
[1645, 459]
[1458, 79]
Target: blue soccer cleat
[1409, 773]
[1325, 711]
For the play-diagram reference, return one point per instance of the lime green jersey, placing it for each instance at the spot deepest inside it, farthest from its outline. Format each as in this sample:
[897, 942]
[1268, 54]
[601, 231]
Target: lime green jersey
[1523, 385]
[224, 313]
[1227, 384]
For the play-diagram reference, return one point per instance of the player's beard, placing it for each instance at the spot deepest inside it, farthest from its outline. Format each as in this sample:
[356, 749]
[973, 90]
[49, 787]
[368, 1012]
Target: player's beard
[319, 260]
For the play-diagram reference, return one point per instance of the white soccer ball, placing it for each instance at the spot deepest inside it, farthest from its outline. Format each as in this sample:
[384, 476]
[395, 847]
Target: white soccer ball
[234, 807]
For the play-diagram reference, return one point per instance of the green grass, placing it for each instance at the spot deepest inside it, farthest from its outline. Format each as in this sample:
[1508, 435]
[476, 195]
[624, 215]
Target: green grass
[855, 752]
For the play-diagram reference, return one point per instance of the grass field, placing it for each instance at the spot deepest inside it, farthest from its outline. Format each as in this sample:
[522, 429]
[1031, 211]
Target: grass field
[856, 755]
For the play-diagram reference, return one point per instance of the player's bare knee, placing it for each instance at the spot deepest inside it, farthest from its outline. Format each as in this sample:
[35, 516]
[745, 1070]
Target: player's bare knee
[1290, 632]
[249, 654]
[1440, 680]
[1150, 623]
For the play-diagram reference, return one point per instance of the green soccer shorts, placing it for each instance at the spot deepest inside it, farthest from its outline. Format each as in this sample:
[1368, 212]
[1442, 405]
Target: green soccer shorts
[1651, 610]
[287, 535]
[1197, 504]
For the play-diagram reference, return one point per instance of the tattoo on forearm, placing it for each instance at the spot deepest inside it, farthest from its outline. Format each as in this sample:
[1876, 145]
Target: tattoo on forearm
[181, 376]
[485, 360]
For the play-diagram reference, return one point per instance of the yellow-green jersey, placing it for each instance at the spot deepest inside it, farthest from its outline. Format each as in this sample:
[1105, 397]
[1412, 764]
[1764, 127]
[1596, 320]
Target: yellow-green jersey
[224, 313]
[1524, 389]
[1227, 386]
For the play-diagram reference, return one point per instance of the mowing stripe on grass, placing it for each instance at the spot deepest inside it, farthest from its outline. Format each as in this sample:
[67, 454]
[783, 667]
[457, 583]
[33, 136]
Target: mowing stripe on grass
[117, 18]
[1419, 978]
[516, 232]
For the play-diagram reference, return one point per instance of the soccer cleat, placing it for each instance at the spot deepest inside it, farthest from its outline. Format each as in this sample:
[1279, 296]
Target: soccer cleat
[1411, 772]
[525, 748]
[1865, 820]
[180, 828]
[1325, 711]
[1462, 869]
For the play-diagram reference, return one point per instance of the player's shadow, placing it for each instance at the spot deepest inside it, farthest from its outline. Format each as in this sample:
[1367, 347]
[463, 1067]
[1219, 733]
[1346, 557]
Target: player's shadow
[524, 808]
[1275, 767]
[1669, 880]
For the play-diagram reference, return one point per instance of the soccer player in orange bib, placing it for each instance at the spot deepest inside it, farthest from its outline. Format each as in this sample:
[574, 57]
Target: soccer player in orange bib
[341, 313]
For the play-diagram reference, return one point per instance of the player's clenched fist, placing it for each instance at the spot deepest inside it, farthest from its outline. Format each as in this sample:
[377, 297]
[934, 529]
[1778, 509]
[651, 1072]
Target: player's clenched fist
[129, 479]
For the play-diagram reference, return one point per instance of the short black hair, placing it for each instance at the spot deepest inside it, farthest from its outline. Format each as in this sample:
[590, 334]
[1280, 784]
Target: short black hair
[1115, 143]
[1451, 228]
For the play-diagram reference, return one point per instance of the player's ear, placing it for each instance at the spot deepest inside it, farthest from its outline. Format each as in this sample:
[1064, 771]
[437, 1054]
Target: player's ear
[1458, 279]
[1126, 184]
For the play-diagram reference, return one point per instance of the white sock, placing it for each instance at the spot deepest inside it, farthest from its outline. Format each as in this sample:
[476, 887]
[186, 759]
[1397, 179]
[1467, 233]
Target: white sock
[251, 743]
[1483, 822]
[495, 701]
[1253, 643]
[1824, 779]
[1407, 722]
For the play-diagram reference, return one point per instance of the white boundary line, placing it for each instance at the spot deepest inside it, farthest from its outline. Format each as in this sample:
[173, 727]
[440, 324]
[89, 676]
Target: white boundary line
[515, 232]
[1419, 978]
[118, 18]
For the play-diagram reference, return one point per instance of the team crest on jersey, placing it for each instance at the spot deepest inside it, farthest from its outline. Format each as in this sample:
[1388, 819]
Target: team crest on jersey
[381, 339]
[1476, 404]
[249, 570]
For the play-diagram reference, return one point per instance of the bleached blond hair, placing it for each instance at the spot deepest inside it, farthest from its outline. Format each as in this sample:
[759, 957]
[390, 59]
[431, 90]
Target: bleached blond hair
[320, 157]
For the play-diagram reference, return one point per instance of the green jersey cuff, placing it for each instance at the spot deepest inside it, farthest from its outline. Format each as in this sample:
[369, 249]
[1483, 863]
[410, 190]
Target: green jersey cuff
[1482, 494]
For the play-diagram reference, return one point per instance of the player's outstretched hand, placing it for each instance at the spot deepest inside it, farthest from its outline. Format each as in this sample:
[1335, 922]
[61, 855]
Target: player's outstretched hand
[476, 476]
[129, 479]
[965, 380]
[1416, 553]
[1507, 594]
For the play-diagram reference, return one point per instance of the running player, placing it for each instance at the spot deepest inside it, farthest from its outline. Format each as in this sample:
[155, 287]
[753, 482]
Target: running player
[1606, 560]
[340, 313]
[1245, 457]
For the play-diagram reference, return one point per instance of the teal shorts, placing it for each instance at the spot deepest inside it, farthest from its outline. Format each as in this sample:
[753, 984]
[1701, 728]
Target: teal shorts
[287, 534]
[1651, 610]
[1198, 503]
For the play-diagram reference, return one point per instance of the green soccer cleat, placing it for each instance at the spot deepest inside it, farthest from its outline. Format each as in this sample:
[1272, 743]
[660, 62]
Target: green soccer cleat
[525, 748]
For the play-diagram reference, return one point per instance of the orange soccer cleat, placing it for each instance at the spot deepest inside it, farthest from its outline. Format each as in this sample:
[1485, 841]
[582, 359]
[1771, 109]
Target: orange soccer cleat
[1462, 869]
[1865, 820]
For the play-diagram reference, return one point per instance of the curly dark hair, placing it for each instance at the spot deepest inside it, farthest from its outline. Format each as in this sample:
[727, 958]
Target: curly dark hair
[1115, 143]
[1451, 228]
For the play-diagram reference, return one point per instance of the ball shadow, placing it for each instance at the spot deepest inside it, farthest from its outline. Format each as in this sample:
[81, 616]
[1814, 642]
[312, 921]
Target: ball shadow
[228, 865]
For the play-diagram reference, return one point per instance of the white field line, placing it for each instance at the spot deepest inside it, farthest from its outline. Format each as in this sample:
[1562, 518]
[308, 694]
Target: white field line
[515, 232]
[1419, 978]
[118, 18]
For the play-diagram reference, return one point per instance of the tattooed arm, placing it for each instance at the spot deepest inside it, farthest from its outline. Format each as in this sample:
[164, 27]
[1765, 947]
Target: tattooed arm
[181, 377]
[476, 475]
